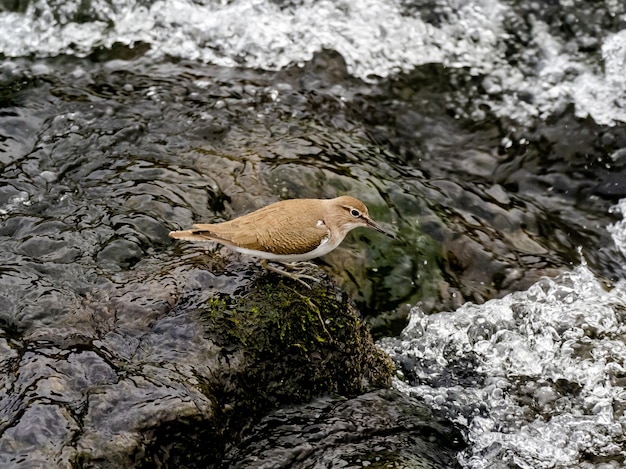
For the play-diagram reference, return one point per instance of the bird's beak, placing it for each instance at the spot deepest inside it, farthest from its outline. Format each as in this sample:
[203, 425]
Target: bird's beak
[372, 224]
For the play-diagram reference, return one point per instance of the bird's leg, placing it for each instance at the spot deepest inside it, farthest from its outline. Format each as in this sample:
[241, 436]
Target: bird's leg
[299, 266]
[298, 277]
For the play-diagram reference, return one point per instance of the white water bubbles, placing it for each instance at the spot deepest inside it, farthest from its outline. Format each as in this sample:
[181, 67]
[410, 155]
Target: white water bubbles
[603, 97]
[377, 39]
[535, 379]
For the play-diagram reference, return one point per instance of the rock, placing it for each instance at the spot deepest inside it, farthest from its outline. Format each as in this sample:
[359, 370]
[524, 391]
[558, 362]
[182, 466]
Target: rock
[382, 428]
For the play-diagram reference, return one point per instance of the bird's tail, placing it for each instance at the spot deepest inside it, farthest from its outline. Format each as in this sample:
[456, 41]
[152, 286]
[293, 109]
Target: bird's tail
[191, 235]
[198, 235]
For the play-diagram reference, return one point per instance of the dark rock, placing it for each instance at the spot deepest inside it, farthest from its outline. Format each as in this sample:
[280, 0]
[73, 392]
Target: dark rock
[378, 429]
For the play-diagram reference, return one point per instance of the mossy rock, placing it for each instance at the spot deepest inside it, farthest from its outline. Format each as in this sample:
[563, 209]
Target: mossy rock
[293, 343]
[272, 343]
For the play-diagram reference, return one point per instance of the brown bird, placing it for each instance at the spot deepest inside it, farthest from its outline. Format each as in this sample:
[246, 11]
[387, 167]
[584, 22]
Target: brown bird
[288, 231]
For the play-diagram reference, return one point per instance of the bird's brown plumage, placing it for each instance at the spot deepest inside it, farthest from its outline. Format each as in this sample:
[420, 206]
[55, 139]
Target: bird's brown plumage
[295, 228]
[281, 228]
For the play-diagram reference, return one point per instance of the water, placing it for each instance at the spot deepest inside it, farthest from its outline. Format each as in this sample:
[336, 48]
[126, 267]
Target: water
[530, 59]
[490, 134]
[618, 229]
[535, 378]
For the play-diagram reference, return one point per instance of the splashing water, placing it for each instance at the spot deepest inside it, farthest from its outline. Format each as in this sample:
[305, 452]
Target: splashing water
[535, 379]
[526, 64]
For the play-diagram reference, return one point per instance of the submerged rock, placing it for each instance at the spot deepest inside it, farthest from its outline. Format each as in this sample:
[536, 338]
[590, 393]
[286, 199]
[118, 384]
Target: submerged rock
[379, 429]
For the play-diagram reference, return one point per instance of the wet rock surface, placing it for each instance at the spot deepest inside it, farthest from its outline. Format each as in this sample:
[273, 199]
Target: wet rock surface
[174, 372]
[489, 135]
[91, 285]
[479, 210]
[378, 429]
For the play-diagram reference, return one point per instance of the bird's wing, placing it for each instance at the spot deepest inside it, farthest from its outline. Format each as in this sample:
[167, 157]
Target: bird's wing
[270, 229]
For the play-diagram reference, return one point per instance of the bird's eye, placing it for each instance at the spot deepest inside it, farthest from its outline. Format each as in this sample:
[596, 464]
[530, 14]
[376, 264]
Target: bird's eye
[355, 213]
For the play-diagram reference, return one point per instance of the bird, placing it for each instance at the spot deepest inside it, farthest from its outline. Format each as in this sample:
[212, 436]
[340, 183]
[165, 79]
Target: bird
[288, 231]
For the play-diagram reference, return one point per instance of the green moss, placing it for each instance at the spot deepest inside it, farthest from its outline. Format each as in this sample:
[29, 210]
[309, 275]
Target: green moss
[287, 345]
[279, 315]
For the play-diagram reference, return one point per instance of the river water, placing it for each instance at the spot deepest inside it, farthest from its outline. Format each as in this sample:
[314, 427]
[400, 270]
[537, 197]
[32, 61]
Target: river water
[491, 135]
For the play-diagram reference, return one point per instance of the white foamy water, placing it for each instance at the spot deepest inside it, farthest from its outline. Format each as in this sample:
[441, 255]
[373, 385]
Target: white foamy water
[536, 379]
[376, 37]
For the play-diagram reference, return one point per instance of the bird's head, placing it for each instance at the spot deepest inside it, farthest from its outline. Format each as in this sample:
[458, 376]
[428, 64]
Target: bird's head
[347, 213]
